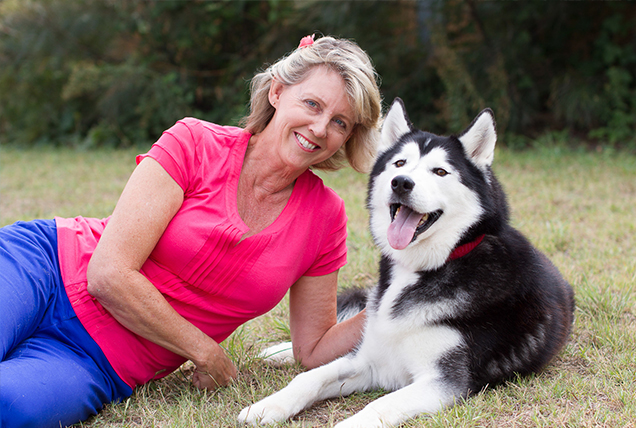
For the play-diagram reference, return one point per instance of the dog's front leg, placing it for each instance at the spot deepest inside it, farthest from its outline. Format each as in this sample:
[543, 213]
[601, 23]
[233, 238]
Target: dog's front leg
[421, 396]
[340, 377]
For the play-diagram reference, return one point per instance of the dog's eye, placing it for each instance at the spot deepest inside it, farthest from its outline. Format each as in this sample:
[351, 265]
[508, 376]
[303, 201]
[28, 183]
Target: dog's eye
[400, 163]
[441, 172]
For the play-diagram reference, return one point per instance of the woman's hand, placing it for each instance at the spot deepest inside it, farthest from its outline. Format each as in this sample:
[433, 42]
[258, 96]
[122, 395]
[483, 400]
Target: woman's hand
[214, 372]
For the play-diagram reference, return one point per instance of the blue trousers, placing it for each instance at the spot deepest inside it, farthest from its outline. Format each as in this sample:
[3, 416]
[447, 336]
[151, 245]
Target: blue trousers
[52, 373]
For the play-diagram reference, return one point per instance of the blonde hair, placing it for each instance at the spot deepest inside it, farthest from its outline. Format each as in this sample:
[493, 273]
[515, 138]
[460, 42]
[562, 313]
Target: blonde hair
[361, 81]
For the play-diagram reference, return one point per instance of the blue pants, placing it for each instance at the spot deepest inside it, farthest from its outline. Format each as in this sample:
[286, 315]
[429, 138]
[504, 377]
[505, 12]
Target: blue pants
[52, 372]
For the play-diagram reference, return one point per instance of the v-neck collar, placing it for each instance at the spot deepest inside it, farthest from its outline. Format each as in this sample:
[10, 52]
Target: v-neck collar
[231, 193]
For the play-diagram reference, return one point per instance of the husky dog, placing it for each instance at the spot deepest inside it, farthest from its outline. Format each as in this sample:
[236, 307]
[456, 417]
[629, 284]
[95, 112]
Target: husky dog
[464, 301]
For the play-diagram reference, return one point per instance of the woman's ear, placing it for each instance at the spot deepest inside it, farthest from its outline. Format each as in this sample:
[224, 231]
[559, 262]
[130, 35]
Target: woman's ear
[275, 90]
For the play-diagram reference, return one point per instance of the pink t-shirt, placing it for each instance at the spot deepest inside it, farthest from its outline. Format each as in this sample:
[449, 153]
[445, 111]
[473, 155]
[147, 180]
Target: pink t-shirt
[200, 265]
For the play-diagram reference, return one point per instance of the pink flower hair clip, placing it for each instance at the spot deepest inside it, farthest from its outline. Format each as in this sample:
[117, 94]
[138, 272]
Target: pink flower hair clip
[306, 41]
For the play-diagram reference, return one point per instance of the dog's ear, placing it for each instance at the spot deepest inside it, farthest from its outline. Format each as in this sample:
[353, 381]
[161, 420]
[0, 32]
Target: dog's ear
[479, 139]
[396, 123]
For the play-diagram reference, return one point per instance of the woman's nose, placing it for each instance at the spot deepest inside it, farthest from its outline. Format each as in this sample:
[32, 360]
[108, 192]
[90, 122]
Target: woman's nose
[319, 127]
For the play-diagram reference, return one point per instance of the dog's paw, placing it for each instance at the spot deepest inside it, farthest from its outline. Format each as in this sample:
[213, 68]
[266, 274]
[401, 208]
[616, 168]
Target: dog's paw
[278, 355]
[263, 414]
[362, 420]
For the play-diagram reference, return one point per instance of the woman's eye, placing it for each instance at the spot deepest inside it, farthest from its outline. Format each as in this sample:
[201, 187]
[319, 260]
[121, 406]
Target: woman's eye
[400, 163]
[441, 172]
[311, 103]
[340, 123]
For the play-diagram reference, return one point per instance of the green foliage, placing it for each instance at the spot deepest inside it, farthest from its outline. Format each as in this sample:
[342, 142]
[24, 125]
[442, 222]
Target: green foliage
[39, 42]
[599, 93]
[118, 72]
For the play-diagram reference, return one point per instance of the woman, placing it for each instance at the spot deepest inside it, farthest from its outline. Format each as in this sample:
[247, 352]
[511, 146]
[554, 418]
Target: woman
[214, 226]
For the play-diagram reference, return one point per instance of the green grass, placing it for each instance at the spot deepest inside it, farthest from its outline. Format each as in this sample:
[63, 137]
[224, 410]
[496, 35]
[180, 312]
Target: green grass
[577, 207]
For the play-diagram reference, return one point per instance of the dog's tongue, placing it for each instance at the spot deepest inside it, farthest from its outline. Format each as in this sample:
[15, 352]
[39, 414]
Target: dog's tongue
[401, 231]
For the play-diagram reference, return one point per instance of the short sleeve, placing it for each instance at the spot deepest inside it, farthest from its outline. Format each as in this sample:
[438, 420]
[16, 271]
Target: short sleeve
[176, 152]
[333, 253]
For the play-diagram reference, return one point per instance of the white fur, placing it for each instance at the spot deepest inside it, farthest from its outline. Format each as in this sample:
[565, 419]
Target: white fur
[479, 140]
[395, 125]
[278, 355]
[395, 354]
[432, 192]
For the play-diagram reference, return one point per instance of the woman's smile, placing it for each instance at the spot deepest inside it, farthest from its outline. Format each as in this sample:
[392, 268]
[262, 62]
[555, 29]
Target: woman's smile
[305, 144]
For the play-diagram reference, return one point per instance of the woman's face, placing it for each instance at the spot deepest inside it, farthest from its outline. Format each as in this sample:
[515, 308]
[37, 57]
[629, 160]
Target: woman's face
[313, 118]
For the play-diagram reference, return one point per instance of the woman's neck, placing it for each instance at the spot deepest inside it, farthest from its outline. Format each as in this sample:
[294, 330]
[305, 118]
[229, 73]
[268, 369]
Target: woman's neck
[263, 172]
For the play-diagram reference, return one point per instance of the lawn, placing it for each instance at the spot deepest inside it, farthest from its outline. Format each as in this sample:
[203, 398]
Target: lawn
[577, 207]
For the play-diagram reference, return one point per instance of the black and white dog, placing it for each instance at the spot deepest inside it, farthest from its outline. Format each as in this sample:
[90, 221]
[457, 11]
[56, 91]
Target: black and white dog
[463, 300]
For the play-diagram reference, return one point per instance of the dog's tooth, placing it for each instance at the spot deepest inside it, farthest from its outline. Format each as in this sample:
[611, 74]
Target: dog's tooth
[423, 219]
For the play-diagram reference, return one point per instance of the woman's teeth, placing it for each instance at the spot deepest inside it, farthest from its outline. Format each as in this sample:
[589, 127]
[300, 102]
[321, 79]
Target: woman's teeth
[306, 144]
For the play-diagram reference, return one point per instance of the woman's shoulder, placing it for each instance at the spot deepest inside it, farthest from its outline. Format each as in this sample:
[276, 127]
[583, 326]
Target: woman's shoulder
[199, 139]
[199, 129]
[316, 191]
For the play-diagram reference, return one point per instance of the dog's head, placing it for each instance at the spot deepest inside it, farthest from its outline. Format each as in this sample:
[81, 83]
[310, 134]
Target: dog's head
[427, 192]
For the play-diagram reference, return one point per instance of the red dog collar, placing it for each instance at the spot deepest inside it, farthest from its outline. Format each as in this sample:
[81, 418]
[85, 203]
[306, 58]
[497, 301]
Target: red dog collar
[462, 250]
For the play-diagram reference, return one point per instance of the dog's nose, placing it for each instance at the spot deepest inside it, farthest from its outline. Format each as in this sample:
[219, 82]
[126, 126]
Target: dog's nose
[402, 184]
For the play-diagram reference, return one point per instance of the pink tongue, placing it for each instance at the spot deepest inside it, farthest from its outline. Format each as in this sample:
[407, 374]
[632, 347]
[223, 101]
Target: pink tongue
[402, 229]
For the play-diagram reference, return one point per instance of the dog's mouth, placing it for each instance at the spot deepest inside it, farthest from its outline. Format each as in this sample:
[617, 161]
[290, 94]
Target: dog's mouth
[407, 225]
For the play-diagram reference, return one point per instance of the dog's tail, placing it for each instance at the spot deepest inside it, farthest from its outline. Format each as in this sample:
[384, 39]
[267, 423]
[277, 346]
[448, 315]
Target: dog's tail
[351, 302]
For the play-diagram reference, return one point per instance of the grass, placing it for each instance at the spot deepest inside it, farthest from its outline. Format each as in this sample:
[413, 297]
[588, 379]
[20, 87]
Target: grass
[577, 207]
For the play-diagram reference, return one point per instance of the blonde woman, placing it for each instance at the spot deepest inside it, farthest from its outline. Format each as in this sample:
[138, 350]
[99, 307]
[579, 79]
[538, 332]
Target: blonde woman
[215, 225]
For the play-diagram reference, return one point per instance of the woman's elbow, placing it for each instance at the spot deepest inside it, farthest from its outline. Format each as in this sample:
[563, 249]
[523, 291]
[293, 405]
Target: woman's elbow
[308, 365]
[100, 279]
[308, 361]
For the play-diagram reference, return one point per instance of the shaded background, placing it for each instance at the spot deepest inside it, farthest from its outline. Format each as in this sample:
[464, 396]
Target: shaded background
[93, 73]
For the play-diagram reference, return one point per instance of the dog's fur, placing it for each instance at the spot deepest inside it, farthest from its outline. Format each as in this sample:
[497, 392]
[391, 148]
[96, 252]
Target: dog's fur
[463, 300]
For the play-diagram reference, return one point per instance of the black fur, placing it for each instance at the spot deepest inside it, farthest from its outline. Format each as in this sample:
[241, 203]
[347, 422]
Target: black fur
[350, 302]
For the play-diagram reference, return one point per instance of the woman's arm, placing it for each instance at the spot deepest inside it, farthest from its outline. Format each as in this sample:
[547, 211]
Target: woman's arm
[149, 201]
[316, 336]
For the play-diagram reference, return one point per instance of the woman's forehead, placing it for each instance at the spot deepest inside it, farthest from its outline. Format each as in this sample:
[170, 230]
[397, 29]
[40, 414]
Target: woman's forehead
[328, 88]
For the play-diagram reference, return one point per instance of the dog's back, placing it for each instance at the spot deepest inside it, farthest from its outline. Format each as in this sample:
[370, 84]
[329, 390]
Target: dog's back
[510, 304]
[519, 314]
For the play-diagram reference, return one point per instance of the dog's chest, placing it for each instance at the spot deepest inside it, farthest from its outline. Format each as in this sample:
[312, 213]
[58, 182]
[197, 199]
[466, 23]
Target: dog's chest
[412, 299]
[401, 348]
[399, 280]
